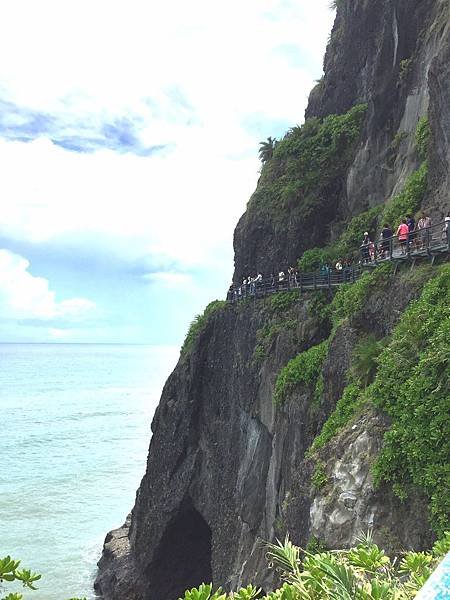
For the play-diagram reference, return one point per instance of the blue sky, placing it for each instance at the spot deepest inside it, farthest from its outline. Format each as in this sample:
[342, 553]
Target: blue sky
[129, 133]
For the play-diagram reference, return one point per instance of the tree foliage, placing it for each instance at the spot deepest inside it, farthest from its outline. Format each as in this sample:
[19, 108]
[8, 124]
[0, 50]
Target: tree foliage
[266, 149]
[363, 572]
[10, 573]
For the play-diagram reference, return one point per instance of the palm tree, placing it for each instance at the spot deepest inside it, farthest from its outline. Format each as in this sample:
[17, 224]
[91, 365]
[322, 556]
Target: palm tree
[266, 149]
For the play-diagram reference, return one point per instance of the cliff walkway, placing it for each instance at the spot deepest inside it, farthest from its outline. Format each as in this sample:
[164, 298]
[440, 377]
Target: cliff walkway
[422, 244]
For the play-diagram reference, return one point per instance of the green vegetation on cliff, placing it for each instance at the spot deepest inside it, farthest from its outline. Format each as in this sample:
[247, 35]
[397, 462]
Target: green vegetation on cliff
[423, 137]
[408, 377]
[199, 324]
[412, 386]
[277, 318]
[304, 369]
[306, 160]
[406, 202]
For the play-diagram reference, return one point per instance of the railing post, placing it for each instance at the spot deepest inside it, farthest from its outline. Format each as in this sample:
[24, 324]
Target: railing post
[314, 281]
[329, 280]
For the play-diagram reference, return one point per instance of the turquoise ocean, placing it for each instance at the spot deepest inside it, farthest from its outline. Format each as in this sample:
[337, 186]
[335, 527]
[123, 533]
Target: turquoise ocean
[74, 434]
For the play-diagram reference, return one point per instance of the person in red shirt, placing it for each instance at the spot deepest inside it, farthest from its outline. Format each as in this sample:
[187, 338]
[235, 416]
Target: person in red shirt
[402, 233]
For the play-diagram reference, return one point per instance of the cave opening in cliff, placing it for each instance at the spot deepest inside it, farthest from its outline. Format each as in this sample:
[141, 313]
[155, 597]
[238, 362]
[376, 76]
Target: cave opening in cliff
[183, 558]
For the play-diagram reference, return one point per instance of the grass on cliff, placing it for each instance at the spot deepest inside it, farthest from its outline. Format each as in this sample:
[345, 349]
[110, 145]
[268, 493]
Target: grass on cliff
[412, 386]
[277, 319]
[304, 369]
[199, 324]
[406, 202]
[307, 160]
[407, 377]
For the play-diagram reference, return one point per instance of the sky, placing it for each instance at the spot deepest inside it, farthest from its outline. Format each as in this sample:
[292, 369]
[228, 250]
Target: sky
[129, 134]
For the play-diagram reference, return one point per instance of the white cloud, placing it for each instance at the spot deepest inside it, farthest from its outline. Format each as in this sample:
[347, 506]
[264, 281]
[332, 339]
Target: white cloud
[169, 279]
[23, 296]
[187, 75]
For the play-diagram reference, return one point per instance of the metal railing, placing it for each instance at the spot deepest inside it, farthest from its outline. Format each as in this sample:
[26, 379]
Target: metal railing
[430, 241]
[298, 281]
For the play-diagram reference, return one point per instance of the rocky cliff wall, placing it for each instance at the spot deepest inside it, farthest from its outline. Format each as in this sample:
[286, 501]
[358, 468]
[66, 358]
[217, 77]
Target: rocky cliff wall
[393, 56]
[228, 468]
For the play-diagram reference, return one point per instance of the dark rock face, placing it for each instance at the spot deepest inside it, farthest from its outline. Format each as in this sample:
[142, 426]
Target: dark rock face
[392, 55]
[439, 113]
[226, 469]
[263, 245]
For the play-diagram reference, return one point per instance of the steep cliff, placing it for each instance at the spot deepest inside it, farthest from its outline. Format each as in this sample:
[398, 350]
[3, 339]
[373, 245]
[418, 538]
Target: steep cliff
[392, 56]
[276, 414]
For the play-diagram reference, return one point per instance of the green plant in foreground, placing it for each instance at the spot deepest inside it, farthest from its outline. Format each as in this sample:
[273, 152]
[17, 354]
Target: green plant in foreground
[10, 572]
[363, 572]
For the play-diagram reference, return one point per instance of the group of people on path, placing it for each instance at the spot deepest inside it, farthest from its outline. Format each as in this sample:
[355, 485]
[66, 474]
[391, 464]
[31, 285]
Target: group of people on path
[292, 278]
[411, 235]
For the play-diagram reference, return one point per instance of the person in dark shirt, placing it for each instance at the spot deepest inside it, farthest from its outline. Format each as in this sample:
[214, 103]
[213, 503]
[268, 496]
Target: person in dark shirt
[386, 234]
[411, 222]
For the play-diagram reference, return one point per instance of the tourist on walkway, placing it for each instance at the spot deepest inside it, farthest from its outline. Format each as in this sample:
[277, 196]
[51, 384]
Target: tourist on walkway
[423, 228]
[403, 233]
[411, 222]
[365, 248]
[386, 237]
[446, 229]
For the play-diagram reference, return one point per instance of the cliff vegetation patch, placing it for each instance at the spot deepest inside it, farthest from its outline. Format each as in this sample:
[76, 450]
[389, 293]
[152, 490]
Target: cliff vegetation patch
[412, 386]
[408, 377]
[305, 161]
[423, 137]
[408, 201]
[304, 369]
[199, 323]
